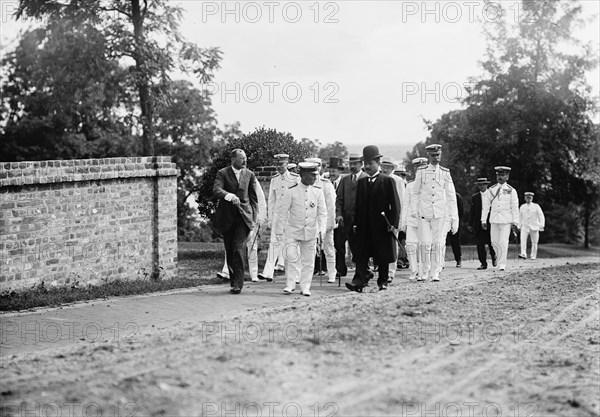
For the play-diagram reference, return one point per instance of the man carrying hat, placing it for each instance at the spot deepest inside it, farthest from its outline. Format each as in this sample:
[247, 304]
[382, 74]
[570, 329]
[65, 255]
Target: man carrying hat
[532, 222]
[376, 219]
[236, 213]
[502, 204]
[302, 213]
[328, 251]
[345, 202]
[410, 224]
[336, 166]
[280, 182]
[482, 236]
[433, 200]
[387, 167]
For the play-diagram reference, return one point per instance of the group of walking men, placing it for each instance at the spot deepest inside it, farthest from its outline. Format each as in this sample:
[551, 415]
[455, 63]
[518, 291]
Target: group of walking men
[312, 217]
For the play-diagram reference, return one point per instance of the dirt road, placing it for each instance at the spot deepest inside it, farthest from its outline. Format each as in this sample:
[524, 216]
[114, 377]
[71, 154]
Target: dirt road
[476, 344]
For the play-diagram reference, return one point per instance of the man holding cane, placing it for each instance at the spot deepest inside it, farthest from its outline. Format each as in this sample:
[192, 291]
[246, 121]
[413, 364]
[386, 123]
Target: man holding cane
[376, 220]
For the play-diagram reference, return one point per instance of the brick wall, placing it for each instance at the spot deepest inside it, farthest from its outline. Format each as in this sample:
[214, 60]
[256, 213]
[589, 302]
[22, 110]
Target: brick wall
[88, 221]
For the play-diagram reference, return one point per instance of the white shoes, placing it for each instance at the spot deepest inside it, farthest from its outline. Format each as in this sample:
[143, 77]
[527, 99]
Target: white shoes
[435, 278]
[288, 291]
[413, 276]
[305, 293]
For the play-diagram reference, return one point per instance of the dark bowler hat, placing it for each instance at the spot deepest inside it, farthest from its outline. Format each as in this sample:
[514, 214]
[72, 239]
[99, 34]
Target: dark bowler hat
[336, 163]
[371, 152]
[482, 181]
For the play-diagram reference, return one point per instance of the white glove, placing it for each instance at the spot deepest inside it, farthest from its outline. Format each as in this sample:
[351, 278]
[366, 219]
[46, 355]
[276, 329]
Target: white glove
[454, 225]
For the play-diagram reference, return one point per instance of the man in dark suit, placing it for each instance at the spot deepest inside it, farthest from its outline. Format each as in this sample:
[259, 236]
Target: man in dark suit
[377, 215]
[455, 238]
[344, 207]
[482, 237]
[236, 213]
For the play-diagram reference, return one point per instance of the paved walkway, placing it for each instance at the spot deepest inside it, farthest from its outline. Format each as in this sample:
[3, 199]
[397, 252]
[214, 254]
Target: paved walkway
[119, 319]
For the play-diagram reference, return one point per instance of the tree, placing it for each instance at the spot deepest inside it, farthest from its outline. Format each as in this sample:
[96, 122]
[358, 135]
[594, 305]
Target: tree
[531, 110]
[260, 147]
[148, 34]
[336, 149]
[62, 97]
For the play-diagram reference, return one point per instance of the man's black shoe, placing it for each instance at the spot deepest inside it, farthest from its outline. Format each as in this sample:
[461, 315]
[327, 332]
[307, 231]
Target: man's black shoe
[382, 287]
[235, 290]
[353, 287]
[482, 267]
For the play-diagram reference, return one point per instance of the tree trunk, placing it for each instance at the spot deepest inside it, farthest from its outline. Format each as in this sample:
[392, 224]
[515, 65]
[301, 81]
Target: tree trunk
[586, 225]
[142, 79]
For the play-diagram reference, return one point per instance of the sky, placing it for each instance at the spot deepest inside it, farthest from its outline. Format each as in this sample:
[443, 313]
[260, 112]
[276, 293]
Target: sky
[359, 72]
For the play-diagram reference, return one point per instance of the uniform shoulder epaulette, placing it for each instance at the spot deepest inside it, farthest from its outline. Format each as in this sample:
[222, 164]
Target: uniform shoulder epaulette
[444, 169]
[508, 185]
[293, 174]
[275, 175]
[413, 180]
[326, 180]
[316, 186]
[422, 167]
[295, 185]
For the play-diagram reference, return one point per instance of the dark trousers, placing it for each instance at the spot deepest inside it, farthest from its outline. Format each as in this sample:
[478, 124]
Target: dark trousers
[483, 238]
[402, 255]
[363, 274]
[235, 249]
[455, 242]
[339, 242]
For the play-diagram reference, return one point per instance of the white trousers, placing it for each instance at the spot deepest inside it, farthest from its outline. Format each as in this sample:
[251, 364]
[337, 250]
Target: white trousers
[274, 256]
[430, 231]
[393, 265]
[299, 258]
[535, 238]
[329, 249]
[252, 248]
[500, 233]
[412, 250]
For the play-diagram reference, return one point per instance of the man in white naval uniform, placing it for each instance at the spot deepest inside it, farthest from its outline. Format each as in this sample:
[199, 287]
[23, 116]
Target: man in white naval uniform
[502, 202]
[328, 244]
[410, 225]
[302, 213]
[252, 242]
[433, 199]
[279, 184]
[387, 167]
[532, 222]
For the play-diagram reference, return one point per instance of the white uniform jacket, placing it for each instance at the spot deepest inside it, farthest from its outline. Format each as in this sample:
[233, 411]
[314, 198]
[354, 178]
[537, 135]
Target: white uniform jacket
[502, 202]
[401, 189]
[279, 184]
[433, 194]
[329, 194]
[302, 213]
[532, 217]
[407, 219]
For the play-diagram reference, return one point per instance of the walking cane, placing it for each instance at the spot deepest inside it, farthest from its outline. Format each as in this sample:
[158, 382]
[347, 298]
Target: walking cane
[388, 223]
[319, 250]
[255, 236]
